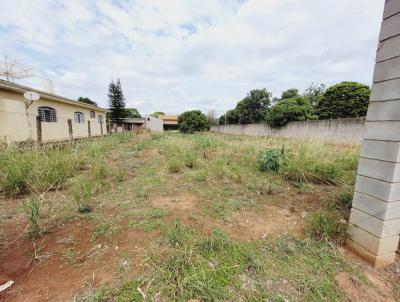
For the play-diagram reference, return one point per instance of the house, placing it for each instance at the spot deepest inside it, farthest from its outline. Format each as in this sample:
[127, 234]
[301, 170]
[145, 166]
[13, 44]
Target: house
[153, 124]
[51, 118]
[127, 124]
[170, 122]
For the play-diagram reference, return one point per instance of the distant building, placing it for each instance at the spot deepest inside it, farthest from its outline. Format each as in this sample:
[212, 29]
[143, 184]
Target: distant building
[170, 122]
[127, 124]
[154, 124]
[51, 118]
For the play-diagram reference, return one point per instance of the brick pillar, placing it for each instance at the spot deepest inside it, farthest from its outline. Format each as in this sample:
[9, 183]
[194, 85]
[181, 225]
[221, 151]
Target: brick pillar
[375, 216]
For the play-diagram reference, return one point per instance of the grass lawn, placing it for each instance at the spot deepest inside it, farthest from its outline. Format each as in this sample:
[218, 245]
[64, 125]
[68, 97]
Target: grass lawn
[172, 217]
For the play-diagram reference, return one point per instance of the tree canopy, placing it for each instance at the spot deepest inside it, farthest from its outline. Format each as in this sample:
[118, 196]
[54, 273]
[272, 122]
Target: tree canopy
[290, 93]
[132, 113]
[193, 121]
[116, 101]
[157, 114]
[87, 101]
[289, 110]
[344, 100]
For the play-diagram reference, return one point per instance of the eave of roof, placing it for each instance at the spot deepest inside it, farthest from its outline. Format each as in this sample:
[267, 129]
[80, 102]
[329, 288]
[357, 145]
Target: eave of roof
[22, 89]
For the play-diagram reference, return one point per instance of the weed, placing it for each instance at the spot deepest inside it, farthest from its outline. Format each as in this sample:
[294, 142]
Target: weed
[178, 234]
[271, 160]
[174, 165]
[83, 190]
[32, 208]
[326, 226]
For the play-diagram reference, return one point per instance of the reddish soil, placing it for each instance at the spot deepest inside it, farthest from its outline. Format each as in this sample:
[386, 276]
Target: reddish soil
[243, 225]
[358, 291]
[57, 274]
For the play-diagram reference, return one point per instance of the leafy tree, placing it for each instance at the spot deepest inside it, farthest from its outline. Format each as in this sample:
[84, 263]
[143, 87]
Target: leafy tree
[193, 121]
[232, 116]
[290, 94]
[132, 113]
[157, 114]
[116, 101]
[253, 107]
[288, 110]
[315, 93]
[87, 101]
[344, 100]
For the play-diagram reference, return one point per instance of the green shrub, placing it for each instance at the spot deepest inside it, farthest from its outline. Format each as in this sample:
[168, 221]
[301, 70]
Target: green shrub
[288, 110]
[271, 160]
[344, 100]
[193, 121]
[326, 226]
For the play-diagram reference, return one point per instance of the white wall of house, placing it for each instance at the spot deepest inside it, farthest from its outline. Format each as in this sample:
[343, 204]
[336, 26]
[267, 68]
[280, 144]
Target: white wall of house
[154, 124]
[19, 124]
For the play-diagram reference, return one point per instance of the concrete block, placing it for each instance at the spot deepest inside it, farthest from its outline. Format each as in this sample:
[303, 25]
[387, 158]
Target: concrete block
[389, 151]
[384, 111]
[388, 49]
[384, 91]
[377, 246]
[379, 189]
[375, 168]
[392, 7]
[376, 207]
[390, 27]
[387, 70]
[374, 260]
[375, 226]
[385, 131]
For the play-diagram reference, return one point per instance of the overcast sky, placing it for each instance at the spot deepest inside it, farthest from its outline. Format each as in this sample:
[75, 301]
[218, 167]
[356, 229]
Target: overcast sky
[175, 55]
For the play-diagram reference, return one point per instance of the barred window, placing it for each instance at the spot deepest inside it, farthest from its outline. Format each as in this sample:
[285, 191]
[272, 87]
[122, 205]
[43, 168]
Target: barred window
[100, 119]
[92, 114]
[79, 117]
[47, 114]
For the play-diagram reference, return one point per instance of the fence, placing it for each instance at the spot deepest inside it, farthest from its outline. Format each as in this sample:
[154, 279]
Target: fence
[349, 131]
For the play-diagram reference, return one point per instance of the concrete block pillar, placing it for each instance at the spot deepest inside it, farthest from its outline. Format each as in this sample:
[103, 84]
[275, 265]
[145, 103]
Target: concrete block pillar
[375, 216]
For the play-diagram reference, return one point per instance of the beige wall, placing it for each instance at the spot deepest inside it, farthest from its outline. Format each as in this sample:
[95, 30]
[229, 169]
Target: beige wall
[349, 131]
[18, 124]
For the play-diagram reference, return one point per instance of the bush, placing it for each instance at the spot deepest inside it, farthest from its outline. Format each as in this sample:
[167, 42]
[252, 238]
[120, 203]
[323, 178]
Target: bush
[344, 100]
[193, 121]
[271, 160]
[289, 110]
[326, 226]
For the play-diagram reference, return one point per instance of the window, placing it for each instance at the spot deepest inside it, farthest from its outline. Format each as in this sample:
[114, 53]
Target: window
[47, 114]
[79, 117]
[100, 119]
[92, 114]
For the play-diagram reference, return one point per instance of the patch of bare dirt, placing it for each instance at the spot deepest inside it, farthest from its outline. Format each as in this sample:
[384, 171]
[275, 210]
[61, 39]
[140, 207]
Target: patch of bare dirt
[67, 263]
[358, 291]
[180, 202]
[272, 220]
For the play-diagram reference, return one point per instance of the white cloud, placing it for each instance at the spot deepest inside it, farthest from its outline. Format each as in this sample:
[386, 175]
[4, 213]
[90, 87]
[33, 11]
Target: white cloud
[179, 54]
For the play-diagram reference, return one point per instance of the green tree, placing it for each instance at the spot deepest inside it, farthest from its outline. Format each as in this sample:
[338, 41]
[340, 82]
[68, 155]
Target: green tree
[193, 121]
[314, 93]
[157, 114]
[87, 101]
[290, 94]
[253, 107]
[116, 101]
[132, 113]
[344, 100]
[288, 110]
